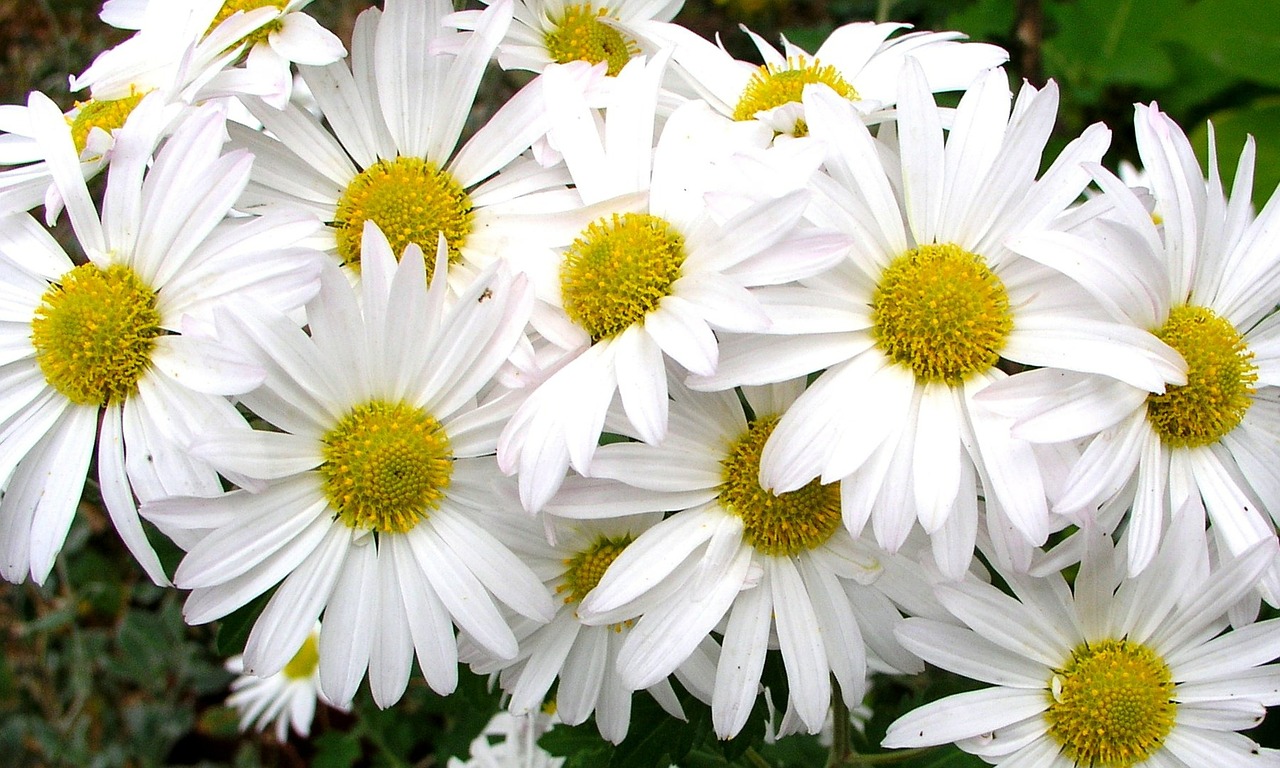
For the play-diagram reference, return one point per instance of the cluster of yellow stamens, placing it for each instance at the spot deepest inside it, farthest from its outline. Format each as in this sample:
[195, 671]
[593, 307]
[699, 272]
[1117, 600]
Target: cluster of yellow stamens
[94, 333]
[1220, 379]
[942, 312]
[107, 114]
[1111, 704]
[584, 569]
[386, 466]
[304, 662]
[231, 7]
[773, 85]
[580, 35]
[775, 524]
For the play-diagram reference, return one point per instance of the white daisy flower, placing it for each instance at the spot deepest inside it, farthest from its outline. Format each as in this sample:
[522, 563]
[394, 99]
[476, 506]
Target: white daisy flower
[583, 659]
[287, 698]
[1108, 672]
[860, 61]
[1206, 281]
[766, 570]
[110, 353]
[651, 275]
[270, 34]
[362, 503]
[511, 741]
[547, 32]
[396, 115]
[917, 318]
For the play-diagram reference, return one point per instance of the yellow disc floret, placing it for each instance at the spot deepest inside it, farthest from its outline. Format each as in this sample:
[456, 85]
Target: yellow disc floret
[585, 569]
[386, 466]
[1110, 705]
[579, 35]
[773, 85]
[232, 7]
[775, 524]
[1220, 379]
[618, 270]
[107, 114]
[942, 312]
[304, 662]
[94, 333]
[411, 201]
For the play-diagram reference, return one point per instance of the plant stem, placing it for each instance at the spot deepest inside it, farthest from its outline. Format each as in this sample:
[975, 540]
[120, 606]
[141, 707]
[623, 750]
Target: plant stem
[755, 758]
[841, 743]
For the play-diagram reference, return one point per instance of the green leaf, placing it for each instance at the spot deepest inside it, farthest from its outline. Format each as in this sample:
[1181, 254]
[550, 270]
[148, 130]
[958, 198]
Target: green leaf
[1095, 43]
[336, 750]
[581, 745]
[1241, 37]
[1261, 119]
[233, 630]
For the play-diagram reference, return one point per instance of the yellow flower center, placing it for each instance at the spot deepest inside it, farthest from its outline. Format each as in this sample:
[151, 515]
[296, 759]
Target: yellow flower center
[411, 201]
[773, 85]
[775, 524]
[579, 35]
[386, 466]
[94, 333]
[304, 662]
[1220, 379]
[618, 270]
[1110, 705]
[586, 568]
[107, 114]
[942, 312]
[259, 35]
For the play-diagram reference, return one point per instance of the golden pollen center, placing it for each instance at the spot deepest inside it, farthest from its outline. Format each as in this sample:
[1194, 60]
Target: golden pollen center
[304, 662]
[259, 35]
[411, 201]
[107, 114]
[1110, 705]
[386, 466]
[579, 35]
[585, 569]
[775, 524]
[94, 333]
[1220, 379]
[618, 270]
[773, 85]
[942, 312]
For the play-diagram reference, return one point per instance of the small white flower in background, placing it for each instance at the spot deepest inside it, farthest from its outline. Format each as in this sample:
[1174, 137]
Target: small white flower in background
[860, 61]
[548, 32]
[1111, 671]
[114, 353]
[511, 741]
[283, 700]
[361, 505]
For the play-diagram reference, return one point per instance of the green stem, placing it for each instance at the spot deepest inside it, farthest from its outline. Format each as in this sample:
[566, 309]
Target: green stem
[841, 736]
[888, 758]
[755, 758]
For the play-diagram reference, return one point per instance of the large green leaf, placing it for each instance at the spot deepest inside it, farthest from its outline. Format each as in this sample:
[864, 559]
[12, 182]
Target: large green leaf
[1261, 119]
[1241, 37]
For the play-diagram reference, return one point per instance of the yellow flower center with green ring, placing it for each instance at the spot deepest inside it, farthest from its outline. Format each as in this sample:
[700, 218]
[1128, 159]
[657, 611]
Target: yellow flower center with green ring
[579, 35]
[259, 35]
[107, 114]
[1110, 706]
[775, 524]
[773, 85]
[304, 662]
[585, 569]
[411, 201]
[94, 333]
[1220, 379]
[940, 311]
[386, 466]
[618, 270]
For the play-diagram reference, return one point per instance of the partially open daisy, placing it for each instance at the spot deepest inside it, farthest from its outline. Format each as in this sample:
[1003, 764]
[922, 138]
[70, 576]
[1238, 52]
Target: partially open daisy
[581, 660]
[385, 152]
[560, 31]
[751, 563]
[283, 700]
[1107, 672]
[361, 503]
[110, 353]
[1206, 281]
[916, 320]
[859, 61]
[652, 272]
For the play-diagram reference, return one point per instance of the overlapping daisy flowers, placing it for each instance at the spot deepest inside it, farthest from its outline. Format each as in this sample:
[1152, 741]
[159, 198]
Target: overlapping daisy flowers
[675, 362]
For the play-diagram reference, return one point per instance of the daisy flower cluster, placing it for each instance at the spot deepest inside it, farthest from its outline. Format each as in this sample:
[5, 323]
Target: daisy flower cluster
[675, 370]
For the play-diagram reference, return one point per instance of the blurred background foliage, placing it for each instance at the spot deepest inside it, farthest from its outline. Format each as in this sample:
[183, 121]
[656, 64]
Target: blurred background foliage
[98, 669]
